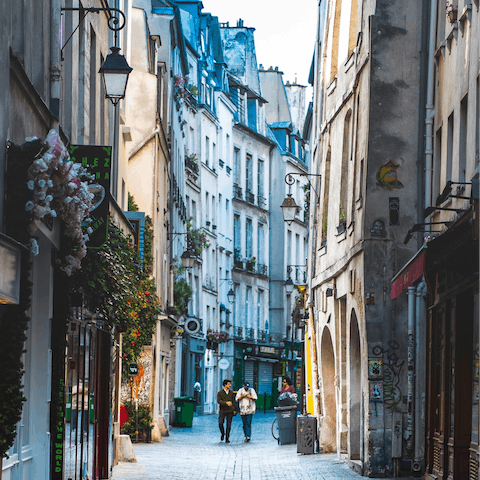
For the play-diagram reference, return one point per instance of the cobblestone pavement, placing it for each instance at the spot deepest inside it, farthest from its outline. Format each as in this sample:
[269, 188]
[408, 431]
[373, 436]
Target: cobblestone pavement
[197, 454]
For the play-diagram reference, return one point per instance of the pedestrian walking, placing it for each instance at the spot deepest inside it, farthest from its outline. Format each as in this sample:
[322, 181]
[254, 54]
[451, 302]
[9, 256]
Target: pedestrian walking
[226, 401]
[246, 397]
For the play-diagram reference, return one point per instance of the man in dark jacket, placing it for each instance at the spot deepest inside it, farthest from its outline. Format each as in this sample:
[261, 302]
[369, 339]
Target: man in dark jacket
[226, 401]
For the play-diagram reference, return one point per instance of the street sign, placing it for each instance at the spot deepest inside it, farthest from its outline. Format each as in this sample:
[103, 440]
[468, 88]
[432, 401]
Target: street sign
[132, 369]
[223, 363]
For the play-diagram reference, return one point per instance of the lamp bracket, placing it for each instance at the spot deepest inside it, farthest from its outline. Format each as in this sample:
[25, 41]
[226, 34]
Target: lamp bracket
[289, 180]
[228, 280]
[116, 20]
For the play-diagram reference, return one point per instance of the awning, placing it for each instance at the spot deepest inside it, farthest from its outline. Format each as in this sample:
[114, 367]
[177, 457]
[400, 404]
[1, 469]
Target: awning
[408, 274]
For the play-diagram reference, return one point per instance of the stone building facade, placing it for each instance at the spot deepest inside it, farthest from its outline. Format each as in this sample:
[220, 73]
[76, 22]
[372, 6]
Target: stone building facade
[365, 142]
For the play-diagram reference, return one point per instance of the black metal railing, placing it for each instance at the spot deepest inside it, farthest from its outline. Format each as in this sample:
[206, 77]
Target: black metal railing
[250, 333]
[262, 269]
[298, 274]
[262, 335]
[238, 332]
[262, 201]
[237, 191]
[250, 197]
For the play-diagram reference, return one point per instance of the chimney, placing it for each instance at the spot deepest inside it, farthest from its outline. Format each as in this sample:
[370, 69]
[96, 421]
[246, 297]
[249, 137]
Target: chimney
[240, 23]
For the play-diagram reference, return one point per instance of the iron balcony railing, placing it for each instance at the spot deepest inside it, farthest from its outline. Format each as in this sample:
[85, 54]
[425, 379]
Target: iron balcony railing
[249, 197]
[238, 332]
[237, 191]
[250, 333]
[262, 269]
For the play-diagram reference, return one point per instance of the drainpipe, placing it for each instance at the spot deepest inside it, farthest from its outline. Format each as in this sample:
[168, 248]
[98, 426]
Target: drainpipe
[420, 332]
[409, 435]
[430, 107]
[55, 66]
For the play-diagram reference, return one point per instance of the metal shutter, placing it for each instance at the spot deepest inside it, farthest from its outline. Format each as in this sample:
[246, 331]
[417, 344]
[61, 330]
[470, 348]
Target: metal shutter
[265, 378]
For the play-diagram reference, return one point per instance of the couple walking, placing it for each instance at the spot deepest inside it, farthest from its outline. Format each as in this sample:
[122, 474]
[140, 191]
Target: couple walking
[245, 397]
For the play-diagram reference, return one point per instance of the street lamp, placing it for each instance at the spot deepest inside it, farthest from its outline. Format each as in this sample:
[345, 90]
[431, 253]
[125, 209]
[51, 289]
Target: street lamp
[231, 293]
[115, 71]
[289, 209]
[289, 286]
[188, 259]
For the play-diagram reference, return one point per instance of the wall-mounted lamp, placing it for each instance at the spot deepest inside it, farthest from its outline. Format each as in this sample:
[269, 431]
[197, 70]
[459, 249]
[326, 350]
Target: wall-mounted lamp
[231, 293]
[188, 259]
[115, 71]
[289, 207]
[289, 286]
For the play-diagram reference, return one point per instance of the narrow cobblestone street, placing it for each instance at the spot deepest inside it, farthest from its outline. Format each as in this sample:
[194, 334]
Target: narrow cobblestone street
[197, 454]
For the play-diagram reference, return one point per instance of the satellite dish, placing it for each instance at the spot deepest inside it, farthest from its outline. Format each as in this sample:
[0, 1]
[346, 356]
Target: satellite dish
[192, 325]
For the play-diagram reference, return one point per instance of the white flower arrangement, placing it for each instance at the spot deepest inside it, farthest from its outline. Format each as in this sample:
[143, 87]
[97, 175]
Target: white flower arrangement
[54, 178]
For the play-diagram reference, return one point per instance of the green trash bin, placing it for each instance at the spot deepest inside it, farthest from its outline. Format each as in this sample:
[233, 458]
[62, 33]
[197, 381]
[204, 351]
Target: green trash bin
[184, 407]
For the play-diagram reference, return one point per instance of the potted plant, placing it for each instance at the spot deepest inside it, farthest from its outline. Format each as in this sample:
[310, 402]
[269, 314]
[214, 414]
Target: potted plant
[452, 11]
[342, 220]
[324, 225]
[237, 259]
[251, 264]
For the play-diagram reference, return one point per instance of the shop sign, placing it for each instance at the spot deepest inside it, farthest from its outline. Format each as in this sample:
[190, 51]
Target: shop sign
[58, 435]
[97, 160]
[197, 345]
[267, 350]
[133, 369]
[408, 275]
[223, 364]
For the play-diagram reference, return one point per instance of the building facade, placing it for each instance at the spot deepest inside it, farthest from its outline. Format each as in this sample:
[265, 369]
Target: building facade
[366, 139]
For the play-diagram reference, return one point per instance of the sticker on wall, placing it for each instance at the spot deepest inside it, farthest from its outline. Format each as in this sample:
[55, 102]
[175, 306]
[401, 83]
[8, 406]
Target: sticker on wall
[387, 176]
[375, 368]
[378, 229]
[376, 391]
[394, 211]
[370, 298]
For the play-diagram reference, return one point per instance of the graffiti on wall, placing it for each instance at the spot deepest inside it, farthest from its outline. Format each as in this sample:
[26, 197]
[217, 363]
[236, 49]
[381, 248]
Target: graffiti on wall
[392, 370]
[387, 176]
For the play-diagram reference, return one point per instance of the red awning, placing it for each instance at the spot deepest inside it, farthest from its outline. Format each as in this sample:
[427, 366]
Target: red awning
[408, 274]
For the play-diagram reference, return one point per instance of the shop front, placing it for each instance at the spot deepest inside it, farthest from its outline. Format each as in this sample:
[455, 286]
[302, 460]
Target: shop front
[260, 365]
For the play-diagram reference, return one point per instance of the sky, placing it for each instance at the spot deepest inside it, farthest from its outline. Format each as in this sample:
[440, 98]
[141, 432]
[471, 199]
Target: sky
[284, 31]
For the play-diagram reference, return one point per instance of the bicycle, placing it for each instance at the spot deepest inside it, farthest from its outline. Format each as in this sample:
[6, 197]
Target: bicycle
[275, 430]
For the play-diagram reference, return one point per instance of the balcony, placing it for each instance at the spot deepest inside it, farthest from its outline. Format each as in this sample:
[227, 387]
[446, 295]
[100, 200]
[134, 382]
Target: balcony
[228, 170]
[250, 197]
[237, 263]
[237, 191]
[262, 201]
[298, 274]
[262, 336]
[191, 164]
[250, 333]
[262, 269]
[238, 332]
